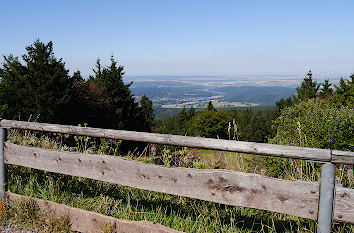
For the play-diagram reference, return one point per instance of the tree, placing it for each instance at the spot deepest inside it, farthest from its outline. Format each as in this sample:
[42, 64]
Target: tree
[120, 102]
[283, 103]
[191, 113]
[122, 112]
[210, 106]
[344, 92]
[308, 88]
[210, 124]
[39, 87]
[88, 104]
[145, 114]
[255, 130]
[326, 89]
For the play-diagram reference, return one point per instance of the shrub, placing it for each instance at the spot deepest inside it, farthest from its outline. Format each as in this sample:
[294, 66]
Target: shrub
[316, 123]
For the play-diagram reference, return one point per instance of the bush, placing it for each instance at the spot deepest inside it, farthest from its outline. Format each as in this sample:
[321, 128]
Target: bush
[316, 123]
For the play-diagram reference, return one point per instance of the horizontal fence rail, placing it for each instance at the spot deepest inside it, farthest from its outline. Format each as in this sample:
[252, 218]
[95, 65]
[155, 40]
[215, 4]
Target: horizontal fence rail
[298, 198]
[305, 153]
[307, 199]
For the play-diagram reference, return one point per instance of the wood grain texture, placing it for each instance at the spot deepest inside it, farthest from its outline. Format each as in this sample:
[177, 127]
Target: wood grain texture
[344, 205]
[299, 198]
[342, 157]
[167, 139]
[87, 221]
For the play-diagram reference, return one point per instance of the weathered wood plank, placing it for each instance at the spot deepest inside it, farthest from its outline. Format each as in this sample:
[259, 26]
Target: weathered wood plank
[299, 198]
[167, 139]
[87, 221]
[344, 205]
[342, 157]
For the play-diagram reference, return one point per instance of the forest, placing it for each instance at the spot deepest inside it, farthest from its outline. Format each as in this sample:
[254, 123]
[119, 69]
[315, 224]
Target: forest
[38, 87]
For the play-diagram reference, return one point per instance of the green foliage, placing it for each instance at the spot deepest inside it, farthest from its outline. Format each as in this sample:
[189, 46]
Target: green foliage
[145, 114]
[249, 125]
[122, 109]
[308, 88]
[88, 105]
[210, 124]
[254, 125]
[320, 120]
[316, 123]
[40, 87]
[255, 130]
[344, 93]
[210, 106]
[178, 124]
[326, 89]
[282, 103]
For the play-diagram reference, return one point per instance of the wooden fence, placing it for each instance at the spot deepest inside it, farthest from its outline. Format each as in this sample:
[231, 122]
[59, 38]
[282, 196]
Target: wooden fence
[322, 201]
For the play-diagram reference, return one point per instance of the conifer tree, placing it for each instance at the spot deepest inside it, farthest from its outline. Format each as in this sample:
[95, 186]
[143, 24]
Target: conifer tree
[210, 106]
[308, 88]
[344, 92]
[120, 101]
[326, 89]
[145, 114]
[39, 87]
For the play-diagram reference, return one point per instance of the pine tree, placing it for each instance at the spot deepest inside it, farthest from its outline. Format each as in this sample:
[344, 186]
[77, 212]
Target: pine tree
[191, 113]
[39, 87]
[326, 89]
[121, 104]
[210, 106]
[146, 114]
[308, 88]
[344, 92]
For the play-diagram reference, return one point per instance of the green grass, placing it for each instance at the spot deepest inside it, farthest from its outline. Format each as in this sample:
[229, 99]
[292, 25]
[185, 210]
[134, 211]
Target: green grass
[180, 213]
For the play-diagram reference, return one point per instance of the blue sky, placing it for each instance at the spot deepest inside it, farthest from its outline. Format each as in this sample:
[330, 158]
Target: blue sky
[187, 37]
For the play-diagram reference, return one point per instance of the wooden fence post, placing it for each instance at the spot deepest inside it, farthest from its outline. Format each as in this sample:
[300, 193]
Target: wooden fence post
[3, 175]
[325, 212]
